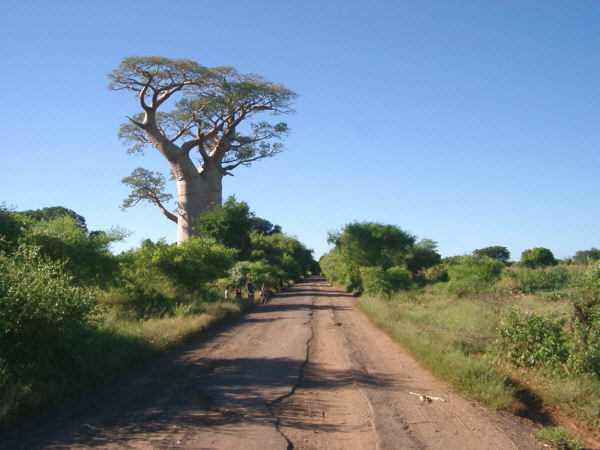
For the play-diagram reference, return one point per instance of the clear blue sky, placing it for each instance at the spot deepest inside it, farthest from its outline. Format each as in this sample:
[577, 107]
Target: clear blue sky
[472, 123]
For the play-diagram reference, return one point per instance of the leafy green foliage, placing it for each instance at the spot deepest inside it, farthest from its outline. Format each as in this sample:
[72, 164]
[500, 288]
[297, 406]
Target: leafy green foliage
[56, 212]
[288, 256]
[533, 340]
[38, 300]
[537, 257]
[263, 226]
[86, 256]
[586, 320]
[494, 252]
[377, 281]
[338, 271]
[160, 276]
[374, 244]
[229, 224]
[540, 279]
[368, 244]
[44, 320]
[422, 256]
[374, 281]
[471, 274]
[586, 256]
[12, 227]
[398, 278]
[259, 271]
[544, 341]
[145, 186]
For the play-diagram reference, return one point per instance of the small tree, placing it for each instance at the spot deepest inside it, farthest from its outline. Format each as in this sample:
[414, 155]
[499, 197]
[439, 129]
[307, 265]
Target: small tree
[214, 118]
[496, 252]
[229, 225]
[538, 256]
[585, 321]
[586, 256]
[422, 256]
[373, 244]
[365, 244]
[470, 274]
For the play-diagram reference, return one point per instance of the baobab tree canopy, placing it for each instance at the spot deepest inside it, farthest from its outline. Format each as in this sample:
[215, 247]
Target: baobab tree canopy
[206, 122]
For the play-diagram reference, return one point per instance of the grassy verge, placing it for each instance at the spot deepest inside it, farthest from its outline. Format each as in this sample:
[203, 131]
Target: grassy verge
[119, 344]
[454, 339]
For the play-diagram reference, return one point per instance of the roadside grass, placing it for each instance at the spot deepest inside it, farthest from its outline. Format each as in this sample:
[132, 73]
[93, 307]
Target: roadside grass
[449, 338]
[454, 339]
[559, 438]
[121, 343]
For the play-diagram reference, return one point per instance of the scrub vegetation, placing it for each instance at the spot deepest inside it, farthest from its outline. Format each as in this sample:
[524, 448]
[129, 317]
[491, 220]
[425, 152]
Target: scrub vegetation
[73, 315]
[522, 337]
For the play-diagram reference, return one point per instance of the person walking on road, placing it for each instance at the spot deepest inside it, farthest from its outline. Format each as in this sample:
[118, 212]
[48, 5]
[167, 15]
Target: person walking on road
[279, 285]
[263, 294]
[250, 289]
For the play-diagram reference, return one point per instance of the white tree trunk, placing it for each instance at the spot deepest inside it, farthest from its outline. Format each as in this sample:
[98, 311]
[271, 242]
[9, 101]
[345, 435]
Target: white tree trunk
[195, 195]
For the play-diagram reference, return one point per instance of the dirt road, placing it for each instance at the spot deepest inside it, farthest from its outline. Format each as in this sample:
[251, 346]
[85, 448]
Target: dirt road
[306, 371]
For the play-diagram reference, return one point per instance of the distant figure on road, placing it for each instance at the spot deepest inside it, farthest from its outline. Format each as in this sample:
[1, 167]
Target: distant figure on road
[250, 289]
[279, 285]
[263, 294]
[226, 292]
[238, 291]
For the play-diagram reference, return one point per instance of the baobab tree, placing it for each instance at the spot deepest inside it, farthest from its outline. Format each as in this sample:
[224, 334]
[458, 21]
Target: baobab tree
[205, 122]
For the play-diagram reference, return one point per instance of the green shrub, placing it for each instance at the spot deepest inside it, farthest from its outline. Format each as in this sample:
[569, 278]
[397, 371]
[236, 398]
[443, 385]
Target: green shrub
[534, 340]
[586, 256]
[86, 256]
[259, 271]
[585, 300]
[39, 303]
[495, 252]
[422, 256]
[374, 281]
[44, 320]
[436, 274]
[188, 266]
[286, 255]
[537, 257]
[229, 225]
[337, 271]
[398, 278]
[11, 229]
[541, 279]
[471, 274]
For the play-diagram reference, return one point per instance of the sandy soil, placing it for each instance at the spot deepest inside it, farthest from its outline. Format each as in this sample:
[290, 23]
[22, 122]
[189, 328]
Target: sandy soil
[306, 371]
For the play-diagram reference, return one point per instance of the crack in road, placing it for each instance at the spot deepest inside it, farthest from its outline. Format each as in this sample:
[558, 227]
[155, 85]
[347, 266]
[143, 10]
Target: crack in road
[271, 405]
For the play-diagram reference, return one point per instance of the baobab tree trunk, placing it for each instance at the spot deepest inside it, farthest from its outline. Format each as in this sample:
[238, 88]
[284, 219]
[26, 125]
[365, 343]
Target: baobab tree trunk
[195, 195]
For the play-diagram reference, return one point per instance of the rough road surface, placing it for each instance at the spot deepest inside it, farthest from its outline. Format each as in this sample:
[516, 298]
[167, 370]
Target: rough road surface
[306, 371]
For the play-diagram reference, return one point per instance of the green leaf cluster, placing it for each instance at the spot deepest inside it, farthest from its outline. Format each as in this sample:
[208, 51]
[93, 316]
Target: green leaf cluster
[545, 342]
[586, 256]
[541, 279]
[470, 274]
[495, 252]
[534, 340]
[536, 257]
[376, 258]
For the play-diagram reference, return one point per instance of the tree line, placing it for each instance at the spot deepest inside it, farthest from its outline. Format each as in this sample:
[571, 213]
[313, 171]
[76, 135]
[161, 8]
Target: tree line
[383, 260]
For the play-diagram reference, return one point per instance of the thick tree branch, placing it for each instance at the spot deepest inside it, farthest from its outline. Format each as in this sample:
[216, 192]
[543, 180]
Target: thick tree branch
[169, 215]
